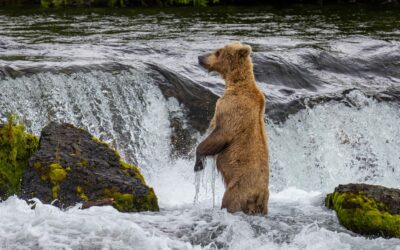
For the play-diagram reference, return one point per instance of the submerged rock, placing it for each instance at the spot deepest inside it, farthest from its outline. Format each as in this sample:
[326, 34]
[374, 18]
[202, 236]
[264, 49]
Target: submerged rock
[199, 100]
[369, 210]
[72, 166]
[16, 147]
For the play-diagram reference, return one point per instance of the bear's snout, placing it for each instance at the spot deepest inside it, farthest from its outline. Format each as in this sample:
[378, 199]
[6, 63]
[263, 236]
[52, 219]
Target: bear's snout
[203, 61]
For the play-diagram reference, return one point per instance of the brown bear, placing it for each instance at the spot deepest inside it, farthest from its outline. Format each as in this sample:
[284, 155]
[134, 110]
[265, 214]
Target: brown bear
[238, 138]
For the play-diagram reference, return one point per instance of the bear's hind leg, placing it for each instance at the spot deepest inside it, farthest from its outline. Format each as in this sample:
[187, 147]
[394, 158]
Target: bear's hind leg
[257, 204]
[262, 202]
[231, 202]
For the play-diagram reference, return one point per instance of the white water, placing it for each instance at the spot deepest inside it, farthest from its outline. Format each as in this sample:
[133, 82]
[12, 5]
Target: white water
[321, 147]
[311, 153]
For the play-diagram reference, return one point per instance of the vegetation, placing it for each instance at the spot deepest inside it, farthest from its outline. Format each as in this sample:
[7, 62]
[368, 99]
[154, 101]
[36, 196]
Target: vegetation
[124, 3]
[364, 215]
[16, 147]
[127, 202]
[55, 173]
[164, 3]
[123, 202]
[81, 193]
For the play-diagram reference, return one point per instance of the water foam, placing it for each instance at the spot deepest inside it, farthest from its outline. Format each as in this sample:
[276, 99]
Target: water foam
[321, 147]
[108, 105]
[311, 152]
[291, 224]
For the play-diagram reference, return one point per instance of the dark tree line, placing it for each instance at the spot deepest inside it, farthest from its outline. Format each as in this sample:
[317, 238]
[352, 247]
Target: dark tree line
[133, 3]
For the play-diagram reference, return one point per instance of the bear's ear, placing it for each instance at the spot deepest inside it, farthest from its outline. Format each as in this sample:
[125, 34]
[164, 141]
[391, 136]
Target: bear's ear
[244, 51]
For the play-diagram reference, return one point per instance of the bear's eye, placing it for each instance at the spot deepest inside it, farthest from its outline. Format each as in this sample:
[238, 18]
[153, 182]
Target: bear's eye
[217, 53]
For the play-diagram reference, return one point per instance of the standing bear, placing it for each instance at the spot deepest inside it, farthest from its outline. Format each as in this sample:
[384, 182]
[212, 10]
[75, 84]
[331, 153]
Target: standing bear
[238, 138]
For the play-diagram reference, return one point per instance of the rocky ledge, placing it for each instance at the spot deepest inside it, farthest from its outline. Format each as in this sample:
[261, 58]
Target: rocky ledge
[369, 210]
[69, 166]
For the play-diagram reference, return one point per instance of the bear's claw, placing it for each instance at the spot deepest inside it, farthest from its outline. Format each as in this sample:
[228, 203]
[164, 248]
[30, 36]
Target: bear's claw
[198, 166]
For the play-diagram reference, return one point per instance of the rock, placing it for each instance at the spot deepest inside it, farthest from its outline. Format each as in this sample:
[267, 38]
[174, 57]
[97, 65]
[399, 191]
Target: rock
[72, 166]
[103, 202]
[369, 210]
[16, 147]
[199, 100]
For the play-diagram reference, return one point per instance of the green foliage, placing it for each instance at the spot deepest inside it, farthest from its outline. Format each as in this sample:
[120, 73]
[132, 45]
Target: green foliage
[45, 3]
[198, 3]
[62, 3]
[364, 215]
[125, 3]
[16, 147]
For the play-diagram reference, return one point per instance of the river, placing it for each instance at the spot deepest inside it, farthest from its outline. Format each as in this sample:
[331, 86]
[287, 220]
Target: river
[331, 76]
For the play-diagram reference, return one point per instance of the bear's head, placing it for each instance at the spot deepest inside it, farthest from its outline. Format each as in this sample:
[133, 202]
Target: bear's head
[228, 60]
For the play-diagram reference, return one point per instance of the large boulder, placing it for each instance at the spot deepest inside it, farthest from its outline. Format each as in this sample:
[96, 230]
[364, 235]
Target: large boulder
[73, 166]
[16, 147]
[369, 210]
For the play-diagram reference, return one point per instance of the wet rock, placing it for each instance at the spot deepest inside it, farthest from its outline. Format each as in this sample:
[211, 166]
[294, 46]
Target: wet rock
[197, 98]
[72, 166]
[384, 64]
[16, 147]
[98, 203]
[182, 139]
[369, 210]
[276, 70]
[10, 72]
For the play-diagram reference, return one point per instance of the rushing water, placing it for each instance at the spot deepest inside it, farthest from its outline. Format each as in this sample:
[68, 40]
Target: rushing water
[332, 81]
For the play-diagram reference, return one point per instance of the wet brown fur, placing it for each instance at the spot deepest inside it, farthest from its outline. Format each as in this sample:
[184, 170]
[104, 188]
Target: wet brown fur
[238, 137]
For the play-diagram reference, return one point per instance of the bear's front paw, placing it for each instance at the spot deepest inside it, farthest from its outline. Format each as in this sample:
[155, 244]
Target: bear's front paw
[198, 166]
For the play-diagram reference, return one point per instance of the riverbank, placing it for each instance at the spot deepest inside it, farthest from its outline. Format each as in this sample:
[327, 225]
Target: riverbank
[169, 3]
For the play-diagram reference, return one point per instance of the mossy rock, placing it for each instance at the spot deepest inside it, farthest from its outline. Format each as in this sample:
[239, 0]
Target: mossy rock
[16, 147]
[369, 210]
[73, 166]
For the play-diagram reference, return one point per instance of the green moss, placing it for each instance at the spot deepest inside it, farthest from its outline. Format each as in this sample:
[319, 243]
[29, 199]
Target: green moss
[116, 153]
[57, 173]
[143, 203]
[16, 147]
[82, 163]
[127, 202]
[81, 193]
[95, 139]
[54, 173]
[364, 215]
[148, 202]
[132, 171]
[123, 201]
[54, 191]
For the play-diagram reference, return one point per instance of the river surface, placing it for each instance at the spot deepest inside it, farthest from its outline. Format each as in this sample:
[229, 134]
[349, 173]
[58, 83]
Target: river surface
[331, 76]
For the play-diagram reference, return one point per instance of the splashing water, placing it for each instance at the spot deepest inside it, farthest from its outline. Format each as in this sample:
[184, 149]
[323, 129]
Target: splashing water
[301, 53]
[313, 151]
[207, 179]
[334, 143]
